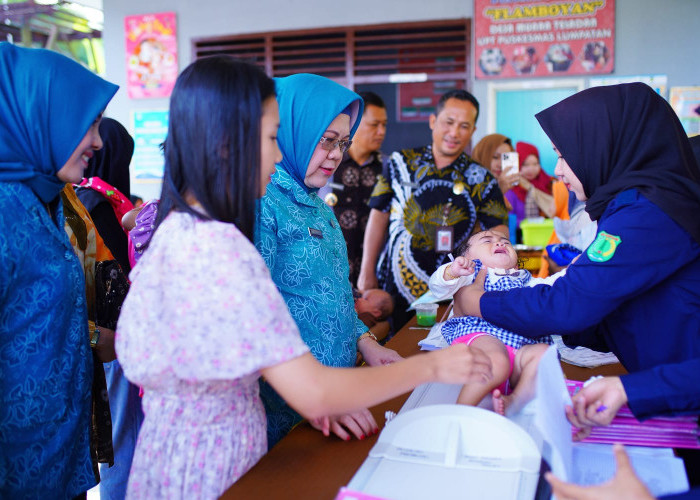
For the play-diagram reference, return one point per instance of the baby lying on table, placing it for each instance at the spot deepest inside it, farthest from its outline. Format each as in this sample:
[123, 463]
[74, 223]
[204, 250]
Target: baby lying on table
[514, 358]
[373, 306]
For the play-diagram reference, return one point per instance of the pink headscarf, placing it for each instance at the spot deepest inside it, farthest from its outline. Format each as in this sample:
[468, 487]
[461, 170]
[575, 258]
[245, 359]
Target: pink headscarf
[543, 182]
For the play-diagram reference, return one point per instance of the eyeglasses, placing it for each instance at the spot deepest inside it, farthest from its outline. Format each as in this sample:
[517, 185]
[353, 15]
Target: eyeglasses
[329, 144]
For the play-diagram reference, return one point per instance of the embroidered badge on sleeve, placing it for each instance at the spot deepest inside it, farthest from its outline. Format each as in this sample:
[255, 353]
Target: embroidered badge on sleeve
[603, 248]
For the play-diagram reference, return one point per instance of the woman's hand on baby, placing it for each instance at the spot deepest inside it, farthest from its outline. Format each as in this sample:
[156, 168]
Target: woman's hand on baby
[461, 364]
[596, 405]
[462, 267]
[367, 281]
[375, 354]
[360, 424]
[468, 298]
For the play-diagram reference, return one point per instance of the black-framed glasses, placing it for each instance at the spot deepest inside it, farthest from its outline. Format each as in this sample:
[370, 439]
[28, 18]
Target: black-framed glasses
[330, 144]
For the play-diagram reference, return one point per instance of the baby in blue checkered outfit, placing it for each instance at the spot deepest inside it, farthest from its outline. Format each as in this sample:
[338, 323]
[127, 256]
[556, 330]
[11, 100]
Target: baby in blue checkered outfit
[514, 358]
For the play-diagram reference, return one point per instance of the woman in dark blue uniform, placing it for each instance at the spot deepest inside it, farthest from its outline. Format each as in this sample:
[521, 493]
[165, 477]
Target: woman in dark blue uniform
[636, 289]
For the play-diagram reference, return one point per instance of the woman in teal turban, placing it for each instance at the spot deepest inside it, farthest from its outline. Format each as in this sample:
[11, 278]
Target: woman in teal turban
[303, 246]
[50, 109]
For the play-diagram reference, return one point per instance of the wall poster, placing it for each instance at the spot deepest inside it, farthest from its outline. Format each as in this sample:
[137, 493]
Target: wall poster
[149, 129]
[686, 102]
[151, 55]
[417, 101]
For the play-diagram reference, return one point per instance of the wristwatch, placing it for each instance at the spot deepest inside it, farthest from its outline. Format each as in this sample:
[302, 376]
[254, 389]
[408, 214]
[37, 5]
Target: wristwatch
[94, 337]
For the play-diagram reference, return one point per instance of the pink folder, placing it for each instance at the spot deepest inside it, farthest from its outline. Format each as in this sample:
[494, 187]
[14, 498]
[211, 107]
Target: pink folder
[666, 432]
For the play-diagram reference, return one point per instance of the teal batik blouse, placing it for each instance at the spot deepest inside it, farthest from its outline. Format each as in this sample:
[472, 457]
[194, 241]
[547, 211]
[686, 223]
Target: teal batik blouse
[303, 246]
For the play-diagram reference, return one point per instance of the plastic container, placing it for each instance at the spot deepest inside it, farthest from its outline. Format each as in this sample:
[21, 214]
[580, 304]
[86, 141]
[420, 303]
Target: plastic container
[536, 232]
[426, 314]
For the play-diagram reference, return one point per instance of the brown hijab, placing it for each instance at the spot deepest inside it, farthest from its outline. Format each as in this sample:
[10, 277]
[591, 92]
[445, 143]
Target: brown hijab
[483, 151]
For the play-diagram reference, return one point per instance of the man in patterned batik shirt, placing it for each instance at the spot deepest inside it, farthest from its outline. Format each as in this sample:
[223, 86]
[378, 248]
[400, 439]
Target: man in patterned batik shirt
[428, 200]
[352, 184]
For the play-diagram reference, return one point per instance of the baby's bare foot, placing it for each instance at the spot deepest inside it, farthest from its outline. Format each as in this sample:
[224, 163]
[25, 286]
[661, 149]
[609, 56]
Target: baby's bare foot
[499, 402]
[502, 402]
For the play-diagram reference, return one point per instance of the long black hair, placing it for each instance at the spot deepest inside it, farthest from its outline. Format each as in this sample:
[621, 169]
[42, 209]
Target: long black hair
[212, 151]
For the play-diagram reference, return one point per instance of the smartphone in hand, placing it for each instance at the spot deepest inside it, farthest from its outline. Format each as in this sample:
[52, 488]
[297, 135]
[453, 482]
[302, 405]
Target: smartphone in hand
[509, 164]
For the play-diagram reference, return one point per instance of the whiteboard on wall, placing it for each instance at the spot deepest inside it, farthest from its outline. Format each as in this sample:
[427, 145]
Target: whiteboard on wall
[513, 106]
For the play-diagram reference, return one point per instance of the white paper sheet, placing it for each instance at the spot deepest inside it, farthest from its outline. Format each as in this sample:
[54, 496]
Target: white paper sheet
[550, 418]
[663, 475]
[434, 340]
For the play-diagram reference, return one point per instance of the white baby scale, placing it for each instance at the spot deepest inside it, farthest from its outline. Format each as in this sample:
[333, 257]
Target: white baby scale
[450, 452]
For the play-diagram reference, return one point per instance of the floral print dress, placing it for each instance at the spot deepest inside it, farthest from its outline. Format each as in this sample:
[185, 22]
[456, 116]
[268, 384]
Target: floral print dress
[352, 186]
[201, 319]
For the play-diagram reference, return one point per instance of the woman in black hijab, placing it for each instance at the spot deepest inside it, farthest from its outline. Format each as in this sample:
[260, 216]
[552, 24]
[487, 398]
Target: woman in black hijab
[637, 286]
[106, 204]
[111, 165]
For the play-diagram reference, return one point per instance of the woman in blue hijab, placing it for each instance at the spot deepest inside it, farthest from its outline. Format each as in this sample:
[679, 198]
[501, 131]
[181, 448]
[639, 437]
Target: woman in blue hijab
[303, 246]
[50, 108]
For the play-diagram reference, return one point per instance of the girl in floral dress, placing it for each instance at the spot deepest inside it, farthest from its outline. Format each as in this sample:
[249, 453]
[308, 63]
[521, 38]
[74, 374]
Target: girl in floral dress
[203, 319]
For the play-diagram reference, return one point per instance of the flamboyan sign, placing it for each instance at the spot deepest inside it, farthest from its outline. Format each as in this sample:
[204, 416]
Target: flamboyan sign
[547, 38]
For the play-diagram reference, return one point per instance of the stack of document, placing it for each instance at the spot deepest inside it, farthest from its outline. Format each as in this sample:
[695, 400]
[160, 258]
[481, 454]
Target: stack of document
[673, 432]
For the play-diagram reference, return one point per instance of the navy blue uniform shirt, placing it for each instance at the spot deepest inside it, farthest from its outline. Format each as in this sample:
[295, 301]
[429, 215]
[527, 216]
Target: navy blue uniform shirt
[644, 301]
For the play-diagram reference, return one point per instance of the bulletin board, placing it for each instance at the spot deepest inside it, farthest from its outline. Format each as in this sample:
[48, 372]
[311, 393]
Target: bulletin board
[512, 109]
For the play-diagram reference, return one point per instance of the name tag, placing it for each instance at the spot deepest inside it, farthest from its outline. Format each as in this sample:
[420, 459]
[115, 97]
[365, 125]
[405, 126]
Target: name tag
[444, 237]
[316, 233]
[335, 185]
[412, 185]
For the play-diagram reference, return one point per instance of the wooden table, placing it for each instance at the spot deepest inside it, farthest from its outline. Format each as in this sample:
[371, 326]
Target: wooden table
[307, 465]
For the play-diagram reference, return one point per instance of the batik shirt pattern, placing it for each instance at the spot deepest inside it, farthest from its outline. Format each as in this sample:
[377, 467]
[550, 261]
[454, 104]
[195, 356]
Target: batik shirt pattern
[353, 185]
[416, 193]
[201, 320]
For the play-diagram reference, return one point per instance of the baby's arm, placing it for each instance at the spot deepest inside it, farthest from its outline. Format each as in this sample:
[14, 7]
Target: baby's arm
[460, 267]
[445, 282]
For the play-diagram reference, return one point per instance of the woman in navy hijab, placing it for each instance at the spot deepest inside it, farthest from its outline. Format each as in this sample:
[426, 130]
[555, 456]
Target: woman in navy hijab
[303, 246]
[50, 108]
[636, 289]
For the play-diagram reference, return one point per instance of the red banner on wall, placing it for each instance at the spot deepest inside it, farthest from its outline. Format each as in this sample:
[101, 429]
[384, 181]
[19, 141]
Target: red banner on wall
[513, 38]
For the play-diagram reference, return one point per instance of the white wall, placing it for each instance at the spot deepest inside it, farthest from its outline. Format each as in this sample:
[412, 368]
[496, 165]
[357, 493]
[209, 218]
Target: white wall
[652, 36]
[204, 18]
